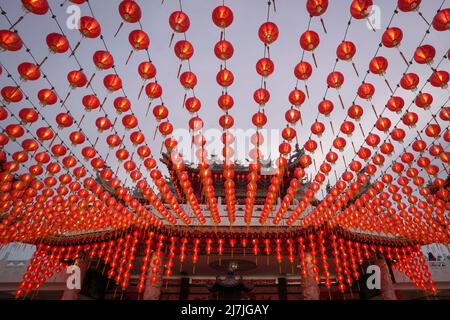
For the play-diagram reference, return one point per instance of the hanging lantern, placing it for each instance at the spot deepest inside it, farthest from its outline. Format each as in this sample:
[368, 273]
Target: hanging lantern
[11, 94]
[89, 27]
[184, 50]
[339, 143]
[188, 80]
[225, 78]
[165, 128]
[261, 96]
[225, 102]
[223, 50]
[112, 82]
[90, 102]
[103, 124]
[193, 104]
[265, 67]
[309, 40]
[153, 90]
[292, 116]
[326, 107]
[409, 81]
[347, 127]
[226, 121]
[29, 71]
[395, 104]
[366, 91]
[122, 104]
[64, 120]
[139, 40]
[10, 41]
[310, 145]
[130, 11]
[355, 112]
[296, 97]
[433, 130]
[268, 32]
[408, 5]
[346, 50]
[335, 79]
[39, 7]
[129, 121]
[303, 70]
[392, 37]
[103, 60]
[147, 70]
[259, 119]
[378, 65]
[77, 79]
[222, 16]
[360, 9]
[439, 79]
[28, 115]
[47, 97]
[318, 128]
[424, 54]
[383, 124]
[57, 43]
[424, 100]
[410, 119]
[441, 21]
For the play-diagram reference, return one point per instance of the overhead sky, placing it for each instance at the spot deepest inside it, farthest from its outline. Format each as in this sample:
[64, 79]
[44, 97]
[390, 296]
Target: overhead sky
[292, 20]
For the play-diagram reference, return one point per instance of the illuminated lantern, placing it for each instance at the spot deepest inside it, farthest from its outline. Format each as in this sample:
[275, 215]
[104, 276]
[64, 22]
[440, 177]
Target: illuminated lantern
[223, 50]
[392, 37]
[57, 43]
[77, 137]
[316, 7]
[139, 40]
[188, 80]
[77, 79]
[39, 7]
[284, 148]
[28, 115]
[44, 133]
[305, 161]
[366, 91]
[383, 124]
[129, 121]
[408, 5]
[10, 41]
[433, 130]
[165, 128]
[318, 128]
[103, 60]
[287, 134]
[373, 140]
[268, 32]
[339, 143]
[64, 120]
[103, 124]
[441, 21]
[259, 119]
[153, 90]
[147, 70]
[29, 71]
[11, 94]
[184, 50]
[47, 97]
[122, 104]
[360, 9]
[261, 96]
[444, 114]
[303, 70]
[292, 116]
[112, 82]
[346, 50]
[89, 27]
[309, 40]
[335, 79]
[398, 134]
[296, 97]
[310, 145]
[347, 127]
[409, 81]
[130, 11]
[355, 112]
[424, 100]
[225, 102]
[113, 141]
[378, 65]
[222, 16]
[331, 157]
[265, 67]
[326, 107]
[439, 79]
[410, 119]
[193, 104]
[90, 102]
[179, 21]
[395, 104]
[226, 121]
[225, 78]
[424, 54]
[3, 113]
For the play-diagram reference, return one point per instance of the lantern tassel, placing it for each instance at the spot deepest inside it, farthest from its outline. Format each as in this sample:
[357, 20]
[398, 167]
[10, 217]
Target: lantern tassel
[140, 91]
[354, 68]
[179, 71]
[362, 131]
[332, 127]
[323, 25]
[421, 15]
[184, 99]
[374, 111]
[306, 89]
[370, 24]
[16, 23]
[90, 80]
[65, 99]
[148, 108]
[42, 62]
[81, 120]
[129, 57]
[342, 102]
[118, 29]
[154, 135]
[274, 6]
[321, 147]
[387, 83]
[75, 49]
[404, 59]
[171, 39]
[314, 58]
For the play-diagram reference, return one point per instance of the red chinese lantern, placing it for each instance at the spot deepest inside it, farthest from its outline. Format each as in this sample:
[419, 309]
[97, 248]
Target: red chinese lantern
[309, 40]
[11, 94]
[398, 134]
[303, 70]
[424, 54]
[10, 41]
[296, 97]
[268, 32]
[433, 130]
[259, 119]
[165, 128]
[335, 79]
[57, 43]
[64, 120]
[288, 134]
[129, 121]
[373, 140]
[122, 104]
[14, 131]
[439, 79]
[103, 60]
[225, 102]
[395, 104]
[424, 100]
[383, 124]
[339, 143]
[103, 124]
[222, 16]
[28, 115]
[139, 40]
[184, 50]
[378, 65]
[292, 116]
[409, 81]
[188, 80]
[39, 7]
[347, 127]
[226, 121]
[316, 7]
[326, 107]
[318, 128]
[441, 21]
[261, 96]
[392, 37]
[130, 11]
[112, 82]
[223, 50]
[366, 91]
[179, 21]
[77, 79]
[225, 78]
[310, 145]
[89, 27]
[284, 148]
[408, 5]
[153, 90]
[265, 67]
[193, 104]
[44, 133]
[355, 112]
[346, 50]
[410, 119]
[147, 70]
[360, 9]
[444, 114]
[29, 71]
[90, 102]
[47, 97]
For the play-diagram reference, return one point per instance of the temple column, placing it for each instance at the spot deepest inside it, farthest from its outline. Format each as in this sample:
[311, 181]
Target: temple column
[73, 294]
[311, 290]
[387, 286]
[153, 286]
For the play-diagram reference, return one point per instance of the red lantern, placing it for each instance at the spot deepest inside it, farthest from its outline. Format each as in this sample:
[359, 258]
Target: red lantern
[225, 102]
[309, 40]
[439, 79]
[265, 67]
[339, 143]
[303, 70]
[346, 50]
[39, 7]
[378, 65]
[130, 11]
[103, 124]
[29, 71]
[226, 121]
[179, 21]
[77, 138]
[139, 40]
[259, 119]
[409, 81]
[347, 127]
[153, 90]
[89, 27]
[292, 116]
[188, 80]
[223, 50]
[47, 97]
[398, 134]
[395, 104]
[288, 134]
[112, 82]
[28, 115]
[147, 70]
[318, 128]
[316, 7]
[165, 128]
[408, 5]
[441, 21]
[77, 79]
[64, 120]
[11, 94]
[410, 119]
[310, 145]
[360, 9]
[193, 104]
[373, 140]
[424, 54]
[335, 79]
[129, 121]
[366, 91]
[57, 43]
[268, 32]
[392, 37]
[355, 112]
[383, 124]
[10, 41]
[261, 96]
[326, 107]
[424, 100]
[222, 16]
[90, 102]
[122, 104]
[44, 133]
[225, 78]
[296, 97]
[184, 50]
[433, 130]
[103, 60]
